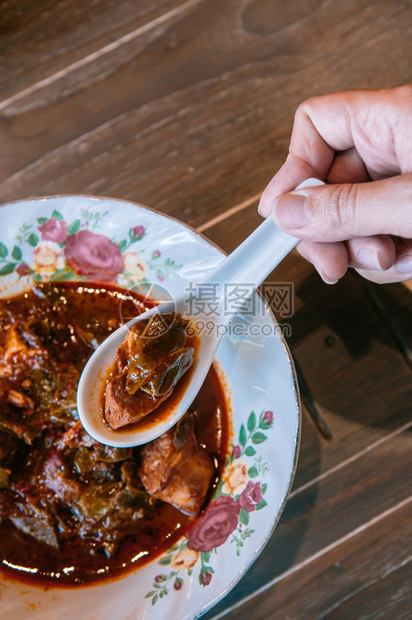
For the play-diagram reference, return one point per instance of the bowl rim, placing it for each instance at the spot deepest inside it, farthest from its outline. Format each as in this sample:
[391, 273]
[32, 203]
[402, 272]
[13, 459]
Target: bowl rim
[295, 387]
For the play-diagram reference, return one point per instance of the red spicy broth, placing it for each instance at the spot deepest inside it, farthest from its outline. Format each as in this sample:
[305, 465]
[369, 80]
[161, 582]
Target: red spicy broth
[59, 522]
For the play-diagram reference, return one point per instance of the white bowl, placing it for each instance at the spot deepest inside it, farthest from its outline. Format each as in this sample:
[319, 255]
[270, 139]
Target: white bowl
[136, 245]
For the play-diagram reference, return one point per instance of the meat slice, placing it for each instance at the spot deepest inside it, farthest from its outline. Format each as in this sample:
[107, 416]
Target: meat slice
[149, 363]
[176, 469]
[35, 522]
[122, 408]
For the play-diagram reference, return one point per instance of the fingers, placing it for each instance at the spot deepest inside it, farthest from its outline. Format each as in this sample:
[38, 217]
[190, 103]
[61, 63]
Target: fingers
[380, 259]
[293, 172]
[401, 270]
[329, 259]
[359, 142]
[371, 253]
[347, 167]
[339, 212]
[403, 263]
[372, 128]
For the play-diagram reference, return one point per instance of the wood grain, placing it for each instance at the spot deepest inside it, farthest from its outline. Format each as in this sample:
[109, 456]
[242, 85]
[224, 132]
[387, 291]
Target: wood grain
[393, 304]
[348, 580]
[187, 106]
[158, 119]
[39, 39]
[323, 515]
[341, 344]
[357, 376]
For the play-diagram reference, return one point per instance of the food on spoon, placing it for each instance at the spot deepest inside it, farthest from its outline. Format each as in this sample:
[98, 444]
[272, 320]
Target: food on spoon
[176, 469]
[148, 365]
[71, 509]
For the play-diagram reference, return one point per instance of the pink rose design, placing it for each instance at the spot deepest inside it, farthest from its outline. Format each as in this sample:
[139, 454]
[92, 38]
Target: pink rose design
[138, 232]
[236, 452]
[267, 419]
[215, 526]
[250, 496]
[93, 256]
[54, 230]
[205, 578]
[178, 584]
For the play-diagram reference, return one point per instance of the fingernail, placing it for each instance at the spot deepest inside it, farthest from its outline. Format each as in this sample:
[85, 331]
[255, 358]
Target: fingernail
[369, 259]
[404, 264]
[320, 272]
[291, 210]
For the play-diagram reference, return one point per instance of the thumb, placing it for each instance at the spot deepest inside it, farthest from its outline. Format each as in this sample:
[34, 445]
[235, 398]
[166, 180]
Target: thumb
[341, 212]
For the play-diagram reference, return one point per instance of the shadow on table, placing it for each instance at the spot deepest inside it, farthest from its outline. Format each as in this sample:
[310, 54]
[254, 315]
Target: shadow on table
[355, 370]
[353, 344]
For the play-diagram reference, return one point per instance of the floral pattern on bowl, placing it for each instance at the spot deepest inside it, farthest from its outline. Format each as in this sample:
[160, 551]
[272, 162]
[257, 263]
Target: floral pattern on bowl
[115, 242]
[238, 494]
[73, 250]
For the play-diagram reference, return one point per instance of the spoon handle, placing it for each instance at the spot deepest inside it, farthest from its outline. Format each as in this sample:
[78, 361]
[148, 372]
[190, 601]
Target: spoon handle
[253, 260]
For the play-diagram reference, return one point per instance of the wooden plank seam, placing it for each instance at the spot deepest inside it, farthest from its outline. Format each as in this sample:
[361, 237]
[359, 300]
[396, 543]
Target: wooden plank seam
[107, 49]
[351, 459]
[297, 567]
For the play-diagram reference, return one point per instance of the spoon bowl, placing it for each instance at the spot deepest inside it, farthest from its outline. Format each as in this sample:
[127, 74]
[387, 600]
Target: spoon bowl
[250, 263]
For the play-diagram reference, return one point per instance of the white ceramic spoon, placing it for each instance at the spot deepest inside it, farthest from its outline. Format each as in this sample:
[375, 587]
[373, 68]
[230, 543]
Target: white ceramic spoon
[252, 261]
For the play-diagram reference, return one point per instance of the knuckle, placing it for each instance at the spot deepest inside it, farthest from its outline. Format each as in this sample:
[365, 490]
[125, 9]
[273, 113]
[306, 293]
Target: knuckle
[305, 109]
[340, 211]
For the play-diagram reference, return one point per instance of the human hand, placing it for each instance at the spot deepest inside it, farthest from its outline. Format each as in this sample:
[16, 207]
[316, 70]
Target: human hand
[360, 143]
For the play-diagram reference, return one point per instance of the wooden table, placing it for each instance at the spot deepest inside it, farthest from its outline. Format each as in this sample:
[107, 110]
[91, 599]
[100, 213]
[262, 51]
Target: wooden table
[187, 106]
